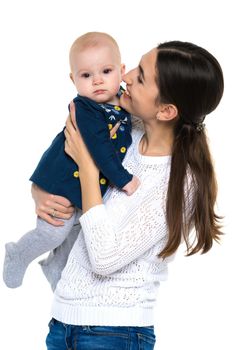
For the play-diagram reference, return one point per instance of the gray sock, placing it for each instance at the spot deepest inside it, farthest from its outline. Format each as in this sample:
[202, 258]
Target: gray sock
[18, 255]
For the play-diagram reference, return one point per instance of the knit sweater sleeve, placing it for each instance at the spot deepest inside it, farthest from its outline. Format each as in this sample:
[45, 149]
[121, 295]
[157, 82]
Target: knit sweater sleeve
[112, 245]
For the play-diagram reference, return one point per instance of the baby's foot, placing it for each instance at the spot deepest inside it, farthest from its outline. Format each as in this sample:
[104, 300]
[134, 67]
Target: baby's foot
[14, 267]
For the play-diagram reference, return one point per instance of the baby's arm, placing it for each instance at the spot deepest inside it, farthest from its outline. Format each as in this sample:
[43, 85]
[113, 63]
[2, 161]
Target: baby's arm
[131, 186]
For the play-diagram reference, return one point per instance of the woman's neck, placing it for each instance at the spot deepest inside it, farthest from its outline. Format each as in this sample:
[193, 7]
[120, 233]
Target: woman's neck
[157, 140]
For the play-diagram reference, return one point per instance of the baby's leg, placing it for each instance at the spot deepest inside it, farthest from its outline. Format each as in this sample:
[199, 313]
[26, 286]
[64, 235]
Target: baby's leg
[43, 238]
[53, 265]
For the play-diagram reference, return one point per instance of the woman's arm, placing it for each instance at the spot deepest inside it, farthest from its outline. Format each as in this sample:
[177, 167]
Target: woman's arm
[93, 127]
[111, 243]
[88, 171]
[50, 207]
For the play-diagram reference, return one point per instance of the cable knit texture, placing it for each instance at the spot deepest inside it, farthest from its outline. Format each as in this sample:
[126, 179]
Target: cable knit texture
[113, 271]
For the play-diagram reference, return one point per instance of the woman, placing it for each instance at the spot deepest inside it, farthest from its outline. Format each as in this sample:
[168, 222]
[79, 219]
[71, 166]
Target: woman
[105, 298]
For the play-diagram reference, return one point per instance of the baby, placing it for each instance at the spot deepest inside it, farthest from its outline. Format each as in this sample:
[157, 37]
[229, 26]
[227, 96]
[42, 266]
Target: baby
[96, 72]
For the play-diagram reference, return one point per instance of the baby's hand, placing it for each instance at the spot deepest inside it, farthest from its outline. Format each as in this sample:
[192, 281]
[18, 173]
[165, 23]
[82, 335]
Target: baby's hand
[131, 186]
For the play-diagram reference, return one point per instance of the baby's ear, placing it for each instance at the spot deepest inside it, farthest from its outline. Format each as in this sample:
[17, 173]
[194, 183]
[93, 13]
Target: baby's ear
[71, 77]
[122, 69]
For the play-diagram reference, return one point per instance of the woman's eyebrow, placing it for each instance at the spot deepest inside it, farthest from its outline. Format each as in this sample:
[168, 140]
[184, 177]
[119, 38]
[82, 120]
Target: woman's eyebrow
[141, 72]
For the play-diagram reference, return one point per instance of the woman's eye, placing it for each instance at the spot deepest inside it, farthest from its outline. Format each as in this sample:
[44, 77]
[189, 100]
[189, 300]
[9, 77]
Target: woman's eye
[85, 75]
[139, 79]
[107, 71]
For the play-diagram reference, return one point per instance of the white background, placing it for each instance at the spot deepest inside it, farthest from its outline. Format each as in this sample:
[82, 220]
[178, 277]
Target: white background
[195, 306]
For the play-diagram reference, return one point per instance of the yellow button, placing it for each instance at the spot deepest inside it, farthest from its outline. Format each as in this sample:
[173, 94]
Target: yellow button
[123, 149]
[117, 108]
[114, 136]
[103, 181]
[110, 126]
[76, 174]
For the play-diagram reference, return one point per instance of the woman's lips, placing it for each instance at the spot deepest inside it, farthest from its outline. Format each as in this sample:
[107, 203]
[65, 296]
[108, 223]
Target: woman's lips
[126, 93]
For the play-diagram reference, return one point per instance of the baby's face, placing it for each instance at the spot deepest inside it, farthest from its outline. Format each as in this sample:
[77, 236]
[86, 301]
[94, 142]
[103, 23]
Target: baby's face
[97, 73]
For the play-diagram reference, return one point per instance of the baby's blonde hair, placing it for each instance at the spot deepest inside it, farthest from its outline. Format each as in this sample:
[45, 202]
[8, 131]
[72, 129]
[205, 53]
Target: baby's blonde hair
[93, 39]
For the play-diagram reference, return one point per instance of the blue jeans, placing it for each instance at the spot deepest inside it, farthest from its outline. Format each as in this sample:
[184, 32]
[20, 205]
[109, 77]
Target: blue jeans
[67, 337]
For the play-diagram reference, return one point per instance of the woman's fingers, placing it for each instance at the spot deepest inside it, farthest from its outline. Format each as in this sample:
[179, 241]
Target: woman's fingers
[63, 204]
[69, 130]
[54, 213]
[58, 207]
[50, 207]
[114, 129]
[72, 114]
[74, 145]
[50, 219]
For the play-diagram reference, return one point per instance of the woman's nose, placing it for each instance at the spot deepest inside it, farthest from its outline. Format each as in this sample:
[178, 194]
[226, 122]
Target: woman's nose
[127, 78]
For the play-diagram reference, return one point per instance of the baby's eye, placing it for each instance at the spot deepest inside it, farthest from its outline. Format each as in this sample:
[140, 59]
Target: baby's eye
[107, 71]
[85, 75]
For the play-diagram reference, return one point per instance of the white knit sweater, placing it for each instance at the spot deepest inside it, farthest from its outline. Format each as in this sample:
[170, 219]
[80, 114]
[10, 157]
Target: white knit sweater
[113, 272]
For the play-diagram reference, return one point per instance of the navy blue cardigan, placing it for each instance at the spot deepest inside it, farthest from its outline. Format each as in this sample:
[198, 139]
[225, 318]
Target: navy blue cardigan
[58, 174]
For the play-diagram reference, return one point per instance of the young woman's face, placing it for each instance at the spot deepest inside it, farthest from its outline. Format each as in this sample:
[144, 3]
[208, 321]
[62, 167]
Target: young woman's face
[142, 91]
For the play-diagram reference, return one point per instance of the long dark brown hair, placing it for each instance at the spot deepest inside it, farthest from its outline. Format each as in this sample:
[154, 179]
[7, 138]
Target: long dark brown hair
[189, 77]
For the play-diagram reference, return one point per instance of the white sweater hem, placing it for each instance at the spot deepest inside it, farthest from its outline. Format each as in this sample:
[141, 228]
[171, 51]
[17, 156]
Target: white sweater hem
[102, 316]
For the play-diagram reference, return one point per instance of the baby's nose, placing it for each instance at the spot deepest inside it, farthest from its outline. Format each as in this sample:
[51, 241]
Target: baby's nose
[97, 79]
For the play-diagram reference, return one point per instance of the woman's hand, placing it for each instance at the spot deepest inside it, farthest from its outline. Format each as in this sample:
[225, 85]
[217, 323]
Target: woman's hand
[88, 171]
[51, 208]
[75, 146]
